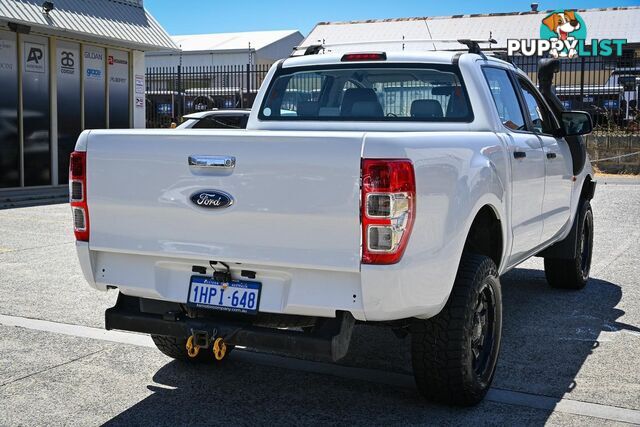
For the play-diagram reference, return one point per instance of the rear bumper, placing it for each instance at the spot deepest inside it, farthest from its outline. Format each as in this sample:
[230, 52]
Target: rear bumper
[330, 340]
[376, 293]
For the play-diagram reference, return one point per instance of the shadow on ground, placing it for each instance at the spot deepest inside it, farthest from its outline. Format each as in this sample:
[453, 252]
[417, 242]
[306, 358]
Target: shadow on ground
[548, 334]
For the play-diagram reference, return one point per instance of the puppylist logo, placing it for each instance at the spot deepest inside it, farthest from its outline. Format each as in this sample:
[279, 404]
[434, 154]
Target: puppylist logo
[563, 34]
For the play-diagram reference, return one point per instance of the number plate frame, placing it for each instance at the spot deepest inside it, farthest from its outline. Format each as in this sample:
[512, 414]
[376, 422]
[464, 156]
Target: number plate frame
[209, 282]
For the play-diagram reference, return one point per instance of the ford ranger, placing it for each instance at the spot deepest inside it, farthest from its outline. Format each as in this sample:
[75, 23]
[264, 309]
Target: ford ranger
[390, 188]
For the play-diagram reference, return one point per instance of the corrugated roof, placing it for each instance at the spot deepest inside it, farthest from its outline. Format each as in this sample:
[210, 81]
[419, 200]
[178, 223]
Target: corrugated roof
[607, 23]
[125, 22]
[230, 41]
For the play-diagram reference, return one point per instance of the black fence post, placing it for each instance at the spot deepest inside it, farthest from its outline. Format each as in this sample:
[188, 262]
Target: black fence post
[582, 82]
[180, 106]
[248, 78]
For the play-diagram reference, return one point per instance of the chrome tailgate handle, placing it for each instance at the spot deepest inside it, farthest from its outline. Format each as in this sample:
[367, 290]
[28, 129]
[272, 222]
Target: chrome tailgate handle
[217, 162]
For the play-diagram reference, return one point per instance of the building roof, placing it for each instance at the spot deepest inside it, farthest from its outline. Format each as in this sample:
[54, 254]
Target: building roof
[231, 41]
[606, 23]
[122, 22]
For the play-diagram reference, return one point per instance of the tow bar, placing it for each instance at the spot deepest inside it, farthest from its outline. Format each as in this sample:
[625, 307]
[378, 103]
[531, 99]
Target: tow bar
[329, 339]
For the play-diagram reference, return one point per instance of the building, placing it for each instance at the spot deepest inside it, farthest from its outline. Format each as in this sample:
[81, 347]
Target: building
[227, 49]
[65, 66]
[606, 23]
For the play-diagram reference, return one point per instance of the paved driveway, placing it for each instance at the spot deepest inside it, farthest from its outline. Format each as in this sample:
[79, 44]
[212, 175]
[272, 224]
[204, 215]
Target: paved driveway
[567, 357]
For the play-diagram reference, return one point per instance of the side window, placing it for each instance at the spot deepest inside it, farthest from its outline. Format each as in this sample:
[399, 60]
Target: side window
[505, 97]
[540, 116]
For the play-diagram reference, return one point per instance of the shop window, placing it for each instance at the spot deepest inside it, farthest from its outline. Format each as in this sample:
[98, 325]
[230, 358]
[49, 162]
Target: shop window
[9, 142]
[68, 93]
[118, 72]
[93, 74]
[35, 111]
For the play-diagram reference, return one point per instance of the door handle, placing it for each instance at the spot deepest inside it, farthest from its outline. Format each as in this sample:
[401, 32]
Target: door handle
[551, 155]
[519, 154]
[217, 162]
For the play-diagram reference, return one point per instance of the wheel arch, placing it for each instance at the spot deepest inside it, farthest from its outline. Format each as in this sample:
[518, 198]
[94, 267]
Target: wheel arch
[486, 234]
[588, 188]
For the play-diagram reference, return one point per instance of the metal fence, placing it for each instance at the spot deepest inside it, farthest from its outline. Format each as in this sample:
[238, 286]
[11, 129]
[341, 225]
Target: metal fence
[607, 87]
[172, 92]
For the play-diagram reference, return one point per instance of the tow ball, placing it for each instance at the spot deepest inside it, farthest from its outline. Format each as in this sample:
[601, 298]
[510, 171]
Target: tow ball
[199, 339]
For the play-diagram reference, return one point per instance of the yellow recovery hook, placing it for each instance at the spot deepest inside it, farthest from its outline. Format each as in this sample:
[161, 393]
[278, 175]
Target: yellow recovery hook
[192, 348]
[219, 348]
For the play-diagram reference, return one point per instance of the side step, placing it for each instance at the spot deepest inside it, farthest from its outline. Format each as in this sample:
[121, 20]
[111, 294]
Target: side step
[329, 340]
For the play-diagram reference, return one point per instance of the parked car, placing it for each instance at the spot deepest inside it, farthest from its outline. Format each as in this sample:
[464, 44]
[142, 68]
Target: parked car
[216, 119]
[393, 208]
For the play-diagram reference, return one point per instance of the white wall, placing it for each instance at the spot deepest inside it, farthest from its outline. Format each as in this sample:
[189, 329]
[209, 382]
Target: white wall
[197, 59]
[280, 49]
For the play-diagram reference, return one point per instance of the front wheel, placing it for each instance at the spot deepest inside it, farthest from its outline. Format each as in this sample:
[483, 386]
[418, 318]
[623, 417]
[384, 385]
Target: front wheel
[573, 273]
[454, 354]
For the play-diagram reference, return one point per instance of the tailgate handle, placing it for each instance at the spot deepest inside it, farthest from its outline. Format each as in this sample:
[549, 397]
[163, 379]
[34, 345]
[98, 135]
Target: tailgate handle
[217, 162]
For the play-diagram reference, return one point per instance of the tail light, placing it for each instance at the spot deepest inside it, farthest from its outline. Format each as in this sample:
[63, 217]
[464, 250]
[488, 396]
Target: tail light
[78, 194]
[388, 209]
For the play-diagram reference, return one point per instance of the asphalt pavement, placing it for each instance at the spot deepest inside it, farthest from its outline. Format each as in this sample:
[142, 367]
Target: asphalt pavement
[567, 358]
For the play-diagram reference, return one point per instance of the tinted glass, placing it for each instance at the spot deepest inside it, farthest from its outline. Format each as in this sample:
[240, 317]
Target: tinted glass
[505, 98]
[94, 88]
[68, 87]
[36, 117]
[222, 122]
[9, 143]
[540, 118]
[377, 93]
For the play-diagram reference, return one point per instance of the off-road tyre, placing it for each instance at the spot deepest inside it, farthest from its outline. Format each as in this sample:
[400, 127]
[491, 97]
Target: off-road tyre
[176, 349]
[573, 273]
[452, 363]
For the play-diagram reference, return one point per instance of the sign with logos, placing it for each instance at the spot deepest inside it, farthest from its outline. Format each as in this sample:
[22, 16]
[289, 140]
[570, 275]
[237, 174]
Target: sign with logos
[118, 72]
[93, 63]
[35, 57]
[563, 34]
[140, 84]
[118, 63]
[93, 71]
[68, 60]
[8, 56]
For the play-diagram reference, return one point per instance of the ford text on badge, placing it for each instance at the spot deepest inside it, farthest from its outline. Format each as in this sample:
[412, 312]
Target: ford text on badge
[212, 199]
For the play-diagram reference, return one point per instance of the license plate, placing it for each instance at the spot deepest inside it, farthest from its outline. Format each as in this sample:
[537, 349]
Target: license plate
[237, 296]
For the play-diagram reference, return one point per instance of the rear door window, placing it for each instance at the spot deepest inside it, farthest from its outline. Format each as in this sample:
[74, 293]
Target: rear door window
[433, 93]
[540, 116]
[505, 97]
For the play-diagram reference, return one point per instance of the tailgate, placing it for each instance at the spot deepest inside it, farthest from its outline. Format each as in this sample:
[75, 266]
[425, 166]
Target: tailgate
[295, 196]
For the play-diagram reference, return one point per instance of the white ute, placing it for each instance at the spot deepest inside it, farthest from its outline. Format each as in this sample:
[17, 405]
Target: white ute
[388, 188]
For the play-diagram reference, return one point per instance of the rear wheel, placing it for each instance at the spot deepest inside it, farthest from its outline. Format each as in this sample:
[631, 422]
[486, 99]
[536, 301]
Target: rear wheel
[573, 273]
[454, 354]
[176, 348]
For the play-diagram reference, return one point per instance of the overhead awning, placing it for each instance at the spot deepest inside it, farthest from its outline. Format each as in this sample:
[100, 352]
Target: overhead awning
[123, 23]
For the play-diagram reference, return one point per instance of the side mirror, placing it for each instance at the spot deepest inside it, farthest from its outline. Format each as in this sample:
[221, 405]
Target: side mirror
[576, 123]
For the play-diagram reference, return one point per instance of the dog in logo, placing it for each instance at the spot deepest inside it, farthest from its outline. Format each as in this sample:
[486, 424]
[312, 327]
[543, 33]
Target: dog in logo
[562, 24]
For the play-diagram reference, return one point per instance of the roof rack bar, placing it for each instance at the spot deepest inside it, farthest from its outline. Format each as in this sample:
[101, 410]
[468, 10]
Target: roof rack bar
[473, 45]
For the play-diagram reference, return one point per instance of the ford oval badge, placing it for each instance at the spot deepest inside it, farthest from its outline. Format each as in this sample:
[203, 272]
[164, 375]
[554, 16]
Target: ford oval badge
[212, 199]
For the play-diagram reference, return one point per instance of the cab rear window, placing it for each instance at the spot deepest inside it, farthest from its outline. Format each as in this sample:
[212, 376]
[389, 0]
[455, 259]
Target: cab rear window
[354, 92]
